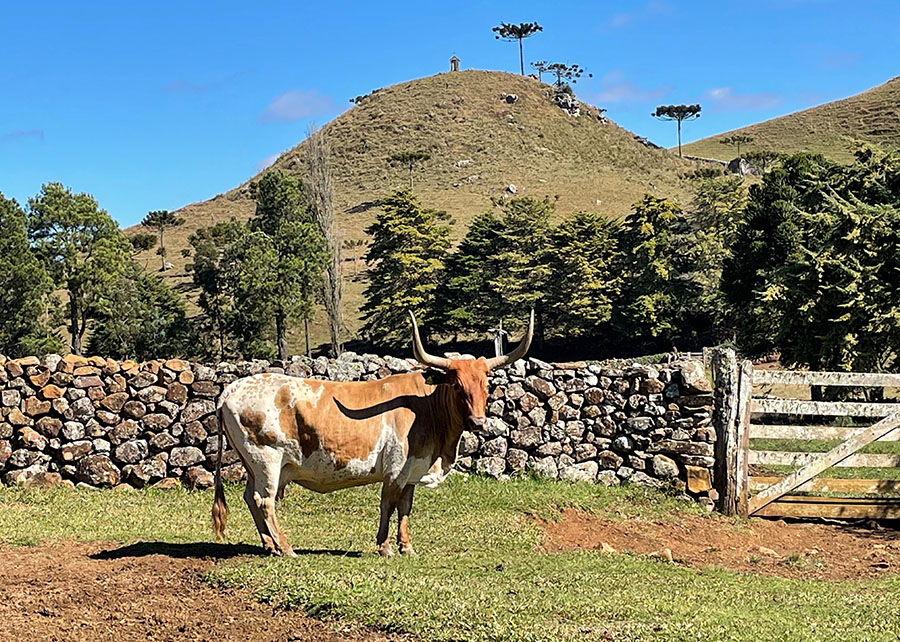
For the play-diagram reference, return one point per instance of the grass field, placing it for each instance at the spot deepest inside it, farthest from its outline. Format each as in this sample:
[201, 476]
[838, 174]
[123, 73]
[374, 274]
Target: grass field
[834, 129]
[479, 574]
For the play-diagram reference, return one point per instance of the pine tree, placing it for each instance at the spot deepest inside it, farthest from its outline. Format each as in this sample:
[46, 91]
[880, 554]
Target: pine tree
[406, 257]
[25, 289]
[583, 281]
[523, 268]
[647, 267]
[208, 273]
[141, 318]
[82, 248]
[468, 303]
[287, 255]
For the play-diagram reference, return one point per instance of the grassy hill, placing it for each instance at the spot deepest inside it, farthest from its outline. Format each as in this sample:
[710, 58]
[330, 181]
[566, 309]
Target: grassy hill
[479, 144]
[833, 129]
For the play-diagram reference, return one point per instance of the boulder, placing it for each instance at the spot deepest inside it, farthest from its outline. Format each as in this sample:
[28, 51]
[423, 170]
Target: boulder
[490, 466]
[186, 456]
[98, 470]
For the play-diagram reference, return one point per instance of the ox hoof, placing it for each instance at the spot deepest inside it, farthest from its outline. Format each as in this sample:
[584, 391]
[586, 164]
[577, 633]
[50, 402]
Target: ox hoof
[385, 550]
[407, 550]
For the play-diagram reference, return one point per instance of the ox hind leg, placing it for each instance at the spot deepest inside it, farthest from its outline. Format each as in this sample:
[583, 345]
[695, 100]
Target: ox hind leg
[390, 495]
[263, 486]
[404, 507]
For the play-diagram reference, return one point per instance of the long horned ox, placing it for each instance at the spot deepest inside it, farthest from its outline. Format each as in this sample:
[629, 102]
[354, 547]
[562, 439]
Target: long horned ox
[328, 435]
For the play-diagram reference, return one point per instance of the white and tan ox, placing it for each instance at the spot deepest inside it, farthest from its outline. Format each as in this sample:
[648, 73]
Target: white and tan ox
[327, 435]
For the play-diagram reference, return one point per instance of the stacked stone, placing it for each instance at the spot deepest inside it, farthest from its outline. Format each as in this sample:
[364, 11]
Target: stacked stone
[100, 422]
[607, 423]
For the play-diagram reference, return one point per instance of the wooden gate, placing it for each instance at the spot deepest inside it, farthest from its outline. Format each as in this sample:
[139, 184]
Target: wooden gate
[800, 458]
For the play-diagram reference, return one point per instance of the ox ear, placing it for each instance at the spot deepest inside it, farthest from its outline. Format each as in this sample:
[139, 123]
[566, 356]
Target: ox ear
[520, 351]
[419, 352]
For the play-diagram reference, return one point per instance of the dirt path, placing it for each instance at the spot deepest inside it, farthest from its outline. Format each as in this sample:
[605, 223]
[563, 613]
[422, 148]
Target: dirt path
[149, 592]
[810, 550]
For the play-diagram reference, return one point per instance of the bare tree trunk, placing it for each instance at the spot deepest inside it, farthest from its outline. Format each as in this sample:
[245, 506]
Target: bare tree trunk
[306, 334]
[679, 140]
[333, 278]
[281, 336]
[162, 256]
[521, 58]
[74, 330]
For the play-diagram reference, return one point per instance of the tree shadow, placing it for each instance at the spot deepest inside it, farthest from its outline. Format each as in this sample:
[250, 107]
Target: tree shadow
[204, 550]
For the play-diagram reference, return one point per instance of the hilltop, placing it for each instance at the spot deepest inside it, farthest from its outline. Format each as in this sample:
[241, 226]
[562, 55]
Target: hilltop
[833, 129]
[480, 143]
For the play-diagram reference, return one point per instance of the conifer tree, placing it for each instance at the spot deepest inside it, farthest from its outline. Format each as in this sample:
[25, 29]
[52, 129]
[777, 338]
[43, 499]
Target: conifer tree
[645, 311]
[287, 255]
[406, 258]
[522, 262]
[160, 221]
[209, 274]
[468, 303]
[583, 281]
[141, 318]
[82, 248]
[25, 289]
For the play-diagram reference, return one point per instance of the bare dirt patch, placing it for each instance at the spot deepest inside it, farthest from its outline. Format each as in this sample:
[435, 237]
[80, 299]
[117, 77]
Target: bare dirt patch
[80, 592]
[777, 548]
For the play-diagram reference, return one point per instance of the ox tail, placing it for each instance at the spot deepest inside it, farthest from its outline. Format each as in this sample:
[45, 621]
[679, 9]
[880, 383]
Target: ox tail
[220, 506]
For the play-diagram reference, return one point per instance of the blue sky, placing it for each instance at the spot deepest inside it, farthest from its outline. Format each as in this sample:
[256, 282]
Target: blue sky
[156, 105]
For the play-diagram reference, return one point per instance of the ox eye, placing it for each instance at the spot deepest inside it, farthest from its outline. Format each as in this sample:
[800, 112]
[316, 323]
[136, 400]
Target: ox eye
[456, 385]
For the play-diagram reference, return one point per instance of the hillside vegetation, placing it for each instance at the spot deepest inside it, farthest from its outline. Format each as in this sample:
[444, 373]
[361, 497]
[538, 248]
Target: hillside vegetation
[834, 129]
[582, 163]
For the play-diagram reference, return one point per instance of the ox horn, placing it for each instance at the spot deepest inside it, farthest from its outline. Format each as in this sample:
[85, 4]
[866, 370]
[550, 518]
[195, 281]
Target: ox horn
[419, 352]
[519, 352]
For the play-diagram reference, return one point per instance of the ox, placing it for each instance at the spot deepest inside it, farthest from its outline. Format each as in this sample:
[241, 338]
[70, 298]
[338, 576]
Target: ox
[328, 435]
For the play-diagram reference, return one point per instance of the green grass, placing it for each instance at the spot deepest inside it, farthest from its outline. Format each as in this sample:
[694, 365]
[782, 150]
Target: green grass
[477, 575]
[821, 445]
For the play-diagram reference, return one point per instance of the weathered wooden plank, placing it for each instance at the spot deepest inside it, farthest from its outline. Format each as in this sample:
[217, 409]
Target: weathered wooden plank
[797, 377]
[827, 408]
[725, 419]
[828, 485]
[834, 507]
[785, 458]
[841, 453]
[782, 431]
[745, 392]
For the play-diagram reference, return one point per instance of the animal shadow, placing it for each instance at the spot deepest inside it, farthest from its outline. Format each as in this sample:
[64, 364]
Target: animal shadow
[203, 550]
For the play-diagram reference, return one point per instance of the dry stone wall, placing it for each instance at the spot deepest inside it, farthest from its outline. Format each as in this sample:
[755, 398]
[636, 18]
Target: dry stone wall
[99, 422]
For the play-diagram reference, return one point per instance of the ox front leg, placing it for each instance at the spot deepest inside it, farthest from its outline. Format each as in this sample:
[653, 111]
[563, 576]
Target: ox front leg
[389, 498]
[404, 507]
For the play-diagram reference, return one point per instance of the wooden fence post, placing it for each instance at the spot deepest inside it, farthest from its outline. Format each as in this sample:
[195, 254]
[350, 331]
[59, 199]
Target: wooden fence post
[726, 378]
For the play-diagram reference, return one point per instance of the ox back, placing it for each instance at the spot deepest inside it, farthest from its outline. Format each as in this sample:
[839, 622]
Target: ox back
[327, 435]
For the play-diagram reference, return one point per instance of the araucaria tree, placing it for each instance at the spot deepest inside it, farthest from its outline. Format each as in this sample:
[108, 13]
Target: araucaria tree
[410, 158]
[25, 288]
[519, 32]
[82, 248]
[160, 221]
[540, 66]
[406, 258]
[565, 73]
[736, 140]
[678, 113]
